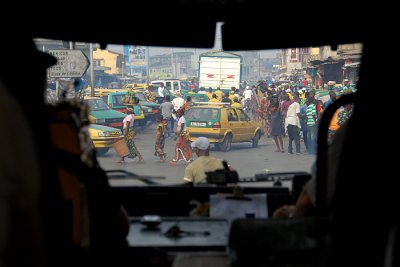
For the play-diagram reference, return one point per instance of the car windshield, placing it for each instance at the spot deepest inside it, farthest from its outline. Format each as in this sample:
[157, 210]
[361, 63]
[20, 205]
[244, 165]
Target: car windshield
[140, 96]
[117, 100]
[97, 104]
[275, 79]
[202, 114]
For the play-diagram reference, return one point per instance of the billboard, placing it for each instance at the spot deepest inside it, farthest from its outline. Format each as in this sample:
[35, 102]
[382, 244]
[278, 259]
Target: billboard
[136, 56]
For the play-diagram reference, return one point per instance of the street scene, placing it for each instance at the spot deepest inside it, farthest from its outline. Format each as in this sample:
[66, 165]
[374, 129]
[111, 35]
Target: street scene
[263, 160]
[241, 102]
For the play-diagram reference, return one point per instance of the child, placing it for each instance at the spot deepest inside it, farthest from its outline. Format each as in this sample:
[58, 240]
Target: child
[160, 140]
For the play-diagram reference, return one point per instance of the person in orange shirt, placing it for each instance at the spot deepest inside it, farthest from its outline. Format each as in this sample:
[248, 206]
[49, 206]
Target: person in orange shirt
[333, 126]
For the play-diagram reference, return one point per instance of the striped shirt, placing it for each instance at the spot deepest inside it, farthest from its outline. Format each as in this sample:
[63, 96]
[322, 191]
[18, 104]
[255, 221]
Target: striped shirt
[311, 113]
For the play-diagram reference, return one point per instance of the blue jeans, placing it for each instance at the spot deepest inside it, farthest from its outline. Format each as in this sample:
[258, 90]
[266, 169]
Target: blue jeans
[312, 132]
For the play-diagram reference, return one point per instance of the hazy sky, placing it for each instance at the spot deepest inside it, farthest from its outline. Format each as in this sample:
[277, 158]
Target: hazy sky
[167, 50]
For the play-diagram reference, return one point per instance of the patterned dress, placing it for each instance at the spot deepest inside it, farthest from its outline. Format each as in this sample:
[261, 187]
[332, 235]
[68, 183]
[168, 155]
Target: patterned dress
[183, 150]
[265, 115]
[133, 151]
[160, 141]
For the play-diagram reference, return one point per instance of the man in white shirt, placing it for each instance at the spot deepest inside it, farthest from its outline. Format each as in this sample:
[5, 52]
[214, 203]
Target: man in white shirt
[246, 101]
[195, 172]
[292, 123]
[161, 90]
[247, 94]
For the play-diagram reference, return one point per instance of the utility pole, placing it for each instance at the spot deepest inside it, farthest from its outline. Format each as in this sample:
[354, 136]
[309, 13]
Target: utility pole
[258, 61]
[148, 64]
[91, 70]
[123, 62]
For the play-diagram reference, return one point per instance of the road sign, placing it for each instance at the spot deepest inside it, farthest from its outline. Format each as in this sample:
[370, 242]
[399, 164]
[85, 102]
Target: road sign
[70, 64]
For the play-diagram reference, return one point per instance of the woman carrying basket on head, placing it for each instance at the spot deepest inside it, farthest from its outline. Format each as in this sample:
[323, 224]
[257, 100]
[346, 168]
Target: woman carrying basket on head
[129, 134]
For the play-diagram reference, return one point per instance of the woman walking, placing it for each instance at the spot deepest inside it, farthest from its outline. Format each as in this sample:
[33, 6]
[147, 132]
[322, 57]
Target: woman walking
[276, 123]
[183, 150]
[129, 134]
[160, 139]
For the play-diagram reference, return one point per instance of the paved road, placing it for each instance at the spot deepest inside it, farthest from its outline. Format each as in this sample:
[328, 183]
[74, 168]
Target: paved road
[246, 160]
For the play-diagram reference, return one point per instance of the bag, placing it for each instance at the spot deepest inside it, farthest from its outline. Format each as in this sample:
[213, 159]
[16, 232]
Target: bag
[121, 148]
[302, 240]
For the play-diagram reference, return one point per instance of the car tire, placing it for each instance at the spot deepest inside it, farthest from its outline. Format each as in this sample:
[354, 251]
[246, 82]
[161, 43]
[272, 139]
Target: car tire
[102, 151]
[256, 138]
[225, 146]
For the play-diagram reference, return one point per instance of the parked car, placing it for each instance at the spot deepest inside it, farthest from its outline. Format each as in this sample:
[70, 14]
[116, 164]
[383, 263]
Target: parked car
[222, 125]
[104, 137]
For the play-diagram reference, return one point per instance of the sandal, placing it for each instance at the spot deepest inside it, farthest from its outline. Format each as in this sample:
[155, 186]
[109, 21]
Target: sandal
[172, 163]
[277, 150]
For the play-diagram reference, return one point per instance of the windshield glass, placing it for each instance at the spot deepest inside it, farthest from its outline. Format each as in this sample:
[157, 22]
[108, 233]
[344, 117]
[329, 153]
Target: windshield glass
[262, 85]
[202, 114]
[97, 104]
[140, 96]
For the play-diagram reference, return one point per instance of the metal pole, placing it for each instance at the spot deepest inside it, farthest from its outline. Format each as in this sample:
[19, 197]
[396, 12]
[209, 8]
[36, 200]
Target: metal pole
[91, 70]
[123, 62]
[148, 64]
[258, 69]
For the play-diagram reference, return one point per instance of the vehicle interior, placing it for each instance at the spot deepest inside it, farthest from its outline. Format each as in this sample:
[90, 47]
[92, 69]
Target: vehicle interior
[38, 171]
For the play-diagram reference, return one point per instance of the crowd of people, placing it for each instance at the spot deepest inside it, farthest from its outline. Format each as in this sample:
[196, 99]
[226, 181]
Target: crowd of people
[282, 111]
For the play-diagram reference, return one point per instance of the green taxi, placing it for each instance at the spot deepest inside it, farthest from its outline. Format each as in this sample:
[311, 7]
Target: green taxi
[103, 137]
[222, 125]
[114, 101]
[101, 113]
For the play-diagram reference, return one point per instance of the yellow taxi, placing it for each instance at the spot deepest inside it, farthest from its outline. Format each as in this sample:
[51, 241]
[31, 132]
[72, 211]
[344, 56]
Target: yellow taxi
[103, 137]
[222, 125]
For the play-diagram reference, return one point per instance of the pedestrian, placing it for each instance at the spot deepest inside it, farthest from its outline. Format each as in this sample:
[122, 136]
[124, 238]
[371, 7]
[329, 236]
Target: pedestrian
[226, 99]
[196, 171]
[183, 150]
[275, 119]
[293, 124]
[160, 140]
[160, 90]
[150, 95]
[265, 109]
[188, 104]
[166, 109]
[312, 126]
[210, 93]
[129, 134]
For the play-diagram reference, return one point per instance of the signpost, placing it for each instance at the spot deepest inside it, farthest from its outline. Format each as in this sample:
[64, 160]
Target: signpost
[70, 64]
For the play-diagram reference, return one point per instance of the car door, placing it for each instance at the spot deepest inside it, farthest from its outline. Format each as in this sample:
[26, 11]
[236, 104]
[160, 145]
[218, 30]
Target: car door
[247, 126]
[234, 124]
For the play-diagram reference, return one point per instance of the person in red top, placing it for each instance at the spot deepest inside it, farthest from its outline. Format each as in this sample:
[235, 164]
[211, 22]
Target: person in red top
[305, 82]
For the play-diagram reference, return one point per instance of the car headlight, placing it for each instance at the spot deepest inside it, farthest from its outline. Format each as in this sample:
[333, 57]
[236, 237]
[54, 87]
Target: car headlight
[104, 134]
[149, 110]
[100, 121]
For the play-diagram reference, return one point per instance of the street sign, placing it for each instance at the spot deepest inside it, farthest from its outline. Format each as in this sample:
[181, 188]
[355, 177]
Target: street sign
[70, 64]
